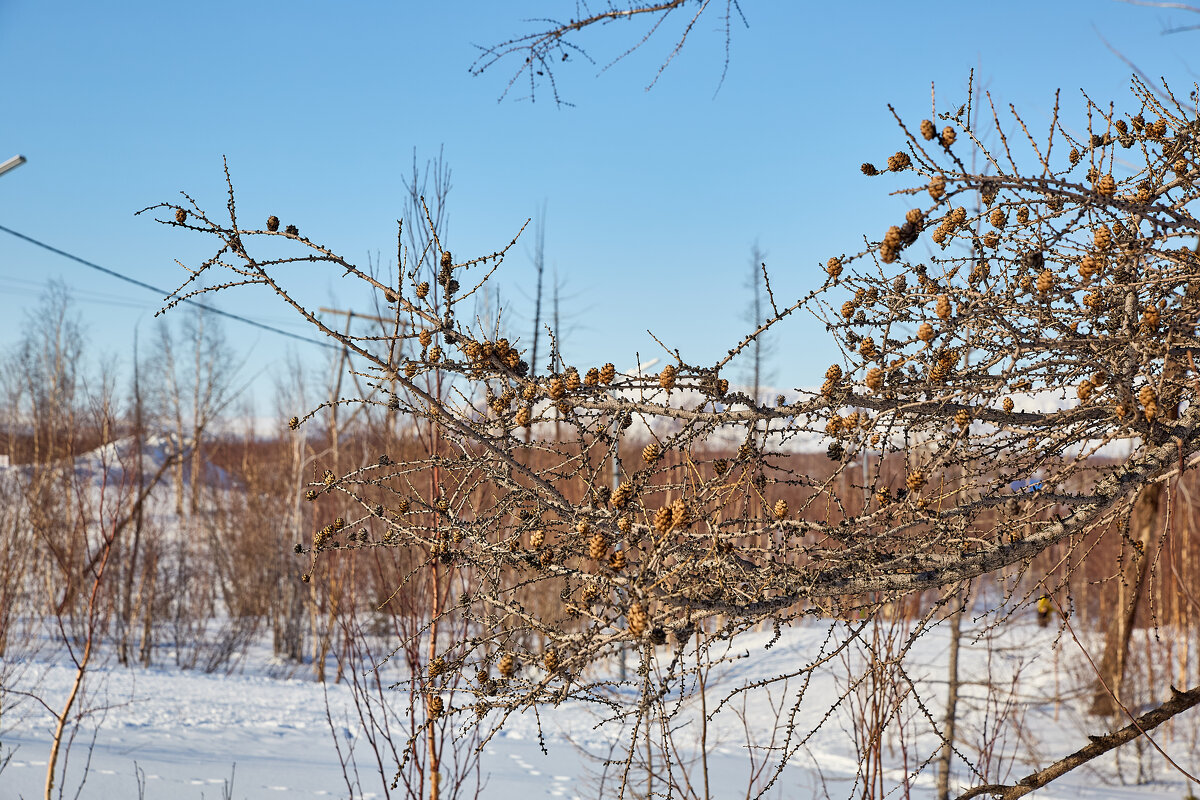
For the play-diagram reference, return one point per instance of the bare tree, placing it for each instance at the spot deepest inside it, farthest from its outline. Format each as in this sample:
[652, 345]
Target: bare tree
[1173, 7]
[946, 757]
[1077, 275]
[198, 386]
[43, 376]
[539, 268]
[554, 42]
[756, 317]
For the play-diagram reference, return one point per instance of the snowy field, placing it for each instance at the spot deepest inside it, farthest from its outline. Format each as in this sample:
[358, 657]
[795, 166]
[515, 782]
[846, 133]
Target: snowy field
[167, 733]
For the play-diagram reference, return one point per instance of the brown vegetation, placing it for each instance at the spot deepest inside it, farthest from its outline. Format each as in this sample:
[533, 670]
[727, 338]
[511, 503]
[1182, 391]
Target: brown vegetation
[1073, 279]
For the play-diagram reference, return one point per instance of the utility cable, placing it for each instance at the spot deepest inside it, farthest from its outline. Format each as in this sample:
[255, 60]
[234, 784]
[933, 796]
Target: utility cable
[163, 293]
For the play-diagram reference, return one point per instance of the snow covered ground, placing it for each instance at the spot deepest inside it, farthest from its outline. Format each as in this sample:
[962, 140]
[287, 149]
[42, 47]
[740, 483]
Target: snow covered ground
[169, 733]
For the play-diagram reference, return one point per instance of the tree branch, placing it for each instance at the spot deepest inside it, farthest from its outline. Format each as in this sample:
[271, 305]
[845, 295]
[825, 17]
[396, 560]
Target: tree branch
[1179, 702]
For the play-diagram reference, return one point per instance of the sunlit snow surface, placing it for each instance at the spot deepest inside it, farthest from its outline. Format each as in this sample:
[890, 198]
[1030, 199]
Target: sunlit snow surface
[186, 730]
[265, 728]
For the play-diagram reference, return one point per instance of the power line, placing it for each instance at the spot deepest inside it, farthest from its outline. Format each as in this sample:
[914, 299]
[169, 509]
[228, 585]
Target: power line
[164, 293]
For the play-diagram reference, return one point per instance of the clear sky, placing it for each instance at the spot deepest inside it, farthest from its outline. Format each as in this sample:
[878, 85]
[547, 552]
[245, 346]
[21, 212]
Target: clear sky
[654, 198]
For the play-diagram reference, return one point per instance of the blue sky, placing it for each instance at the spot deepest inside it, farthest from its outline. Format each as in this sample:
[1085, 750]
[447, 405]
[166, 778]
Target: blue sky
[654, 198]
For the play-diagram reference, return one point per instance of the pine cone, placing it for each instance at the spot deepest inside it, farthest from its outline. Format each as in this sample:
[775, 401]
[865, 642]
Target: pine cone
[875, 379]
[598, 546]
[637, 618]
[523, 417]
[679, 513]
[590, 593]
[1045, 281]
[616, 562]
[507, 665]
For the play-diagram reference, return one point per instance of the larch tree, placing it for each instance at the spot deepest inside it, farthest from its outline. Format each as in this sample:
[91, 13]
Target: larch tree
[1020, 320]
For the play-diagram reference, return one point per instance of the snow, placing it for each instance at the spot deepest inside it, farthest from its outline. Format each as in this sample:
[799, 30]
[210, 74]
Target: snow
[189, 734]
[265, 730]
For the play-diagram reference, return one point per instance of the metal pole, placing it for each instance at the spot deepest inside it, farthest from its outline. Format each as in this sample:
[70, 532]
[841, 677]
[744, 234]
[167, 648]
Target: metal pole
[12, 163]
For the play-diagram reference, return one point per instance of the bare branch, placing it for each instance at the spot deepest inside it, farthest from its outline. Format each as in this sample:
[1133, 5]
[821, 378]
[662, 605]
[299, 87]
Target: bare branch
[551, 45]
[1099, 745]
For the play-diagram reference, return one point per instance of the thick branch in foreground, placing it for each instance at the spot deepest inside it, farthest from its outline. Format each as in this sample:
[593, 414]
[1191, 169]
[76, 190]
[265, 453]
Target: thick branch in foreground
[1179, 702]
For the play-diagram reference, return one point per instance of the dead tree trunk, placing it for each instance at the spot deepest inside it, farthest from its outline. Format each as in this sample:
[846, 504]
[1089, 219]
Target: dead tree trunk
[1134, 577]
[1136, 572]
[948, 732]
